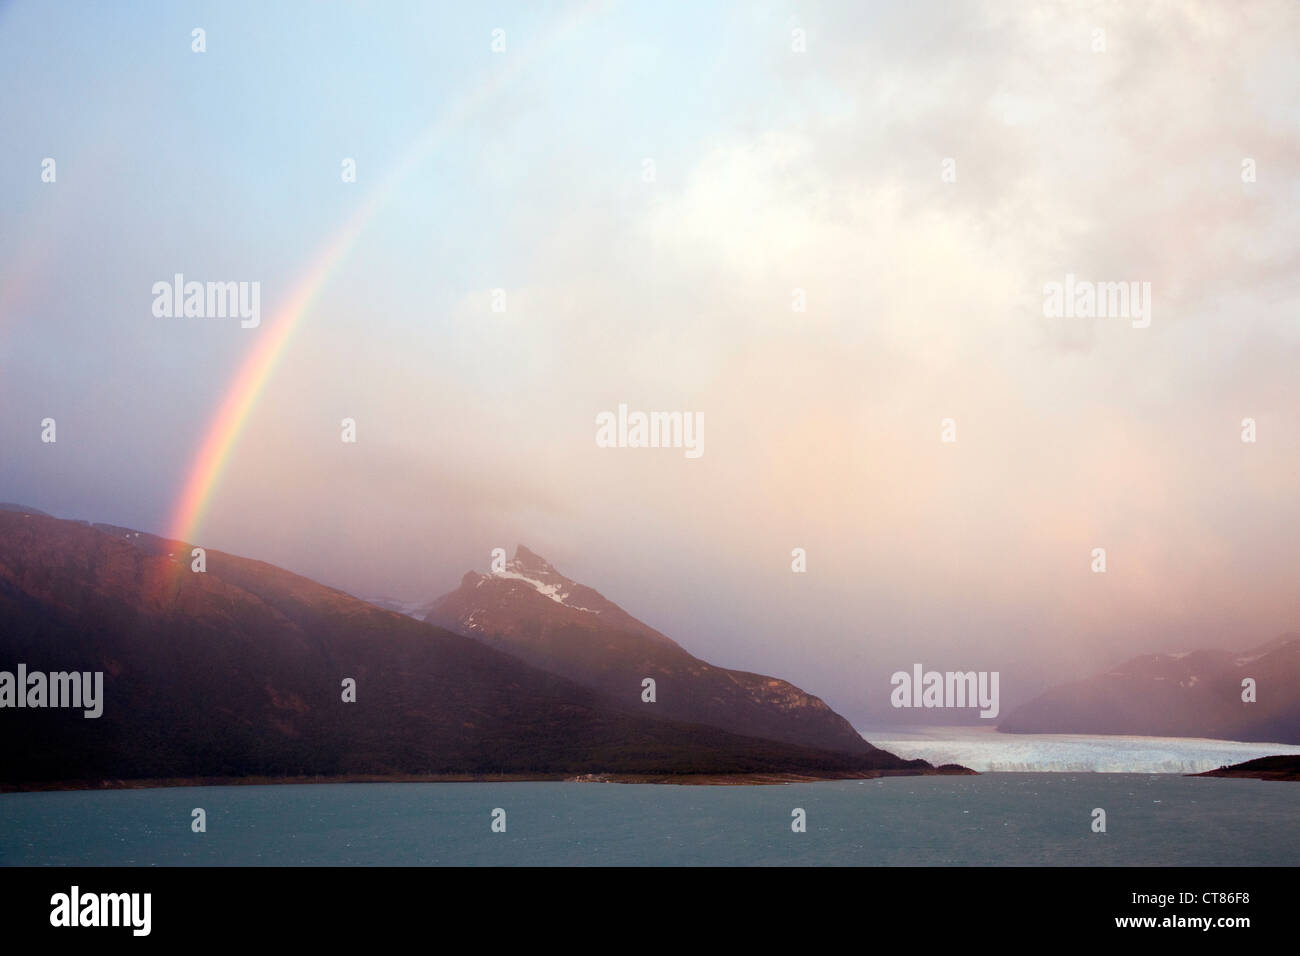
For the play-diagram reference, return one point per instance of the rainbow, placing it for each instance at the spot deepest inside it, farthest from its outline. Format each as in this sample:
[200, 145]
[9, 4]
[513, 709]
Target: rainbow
[243, 392]
[240, 398]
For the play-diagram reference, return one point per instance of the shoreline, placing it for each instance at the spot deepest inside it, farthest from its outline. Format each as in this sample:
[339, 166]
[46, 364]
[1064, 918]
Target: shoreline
[684, 779]
[1281, 767]
[1293, 777]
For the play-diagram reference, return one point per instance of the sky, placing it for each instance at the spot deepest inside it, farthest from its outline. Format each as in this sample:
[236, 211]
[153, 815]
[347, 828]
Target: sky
[649, 185]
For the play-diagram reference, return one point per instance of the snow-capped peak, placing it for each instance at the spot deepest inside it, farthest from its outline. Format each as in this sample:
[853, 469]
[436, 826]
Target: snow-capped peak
[537, 573]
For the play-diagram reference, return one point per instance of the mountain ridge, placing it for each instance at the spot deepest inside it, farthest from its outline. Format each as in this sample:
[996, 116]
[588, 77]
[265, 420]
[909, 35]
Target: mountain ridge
[1186, 694]
[528, 608]
[236, 673]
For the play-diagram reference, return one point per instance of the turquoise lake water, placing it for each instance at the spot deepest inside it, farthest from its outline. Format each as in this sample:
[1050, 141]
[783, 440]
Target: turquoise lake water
[999, 819]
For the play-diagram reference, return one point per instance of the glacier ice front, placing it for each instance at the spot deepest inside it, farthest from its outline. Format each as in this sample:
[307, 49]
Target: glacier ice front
[986, 750]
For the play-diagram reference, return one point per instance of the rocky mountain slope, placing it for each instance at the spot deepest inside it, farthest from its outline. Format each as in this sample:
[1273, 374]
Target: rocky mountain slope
[531, 610]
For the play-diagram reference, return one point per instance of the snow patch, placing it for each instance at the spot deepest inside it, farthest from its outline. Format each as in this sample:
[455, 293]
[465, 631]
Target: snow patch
[553, 591]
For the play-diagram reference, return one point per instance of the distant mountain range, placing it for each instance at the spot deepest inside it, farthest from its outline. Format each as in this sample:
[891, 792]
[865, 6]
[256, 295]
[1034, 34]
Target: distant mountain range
[1193, 694]
[237, 671]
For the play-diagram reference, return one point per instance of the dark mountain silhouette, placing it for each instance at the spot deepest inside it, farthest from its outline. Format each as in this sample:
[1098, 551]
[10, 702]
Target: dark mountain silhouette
[1197, 694]
[237, 672]
[1284, 767]
[531, 610]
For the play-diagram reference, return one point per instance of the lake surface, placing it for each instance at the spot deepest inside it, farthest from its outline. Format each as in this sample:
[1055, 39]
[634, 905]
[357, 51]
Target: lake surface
[1008, 818]
[985, 750]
